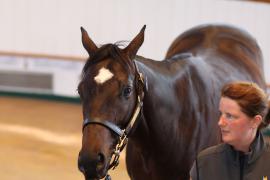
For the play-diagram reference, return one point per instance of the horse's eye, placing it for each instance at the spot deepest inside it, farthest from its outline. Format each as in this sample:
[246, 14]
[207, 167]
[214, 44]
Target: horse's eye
[127, 91]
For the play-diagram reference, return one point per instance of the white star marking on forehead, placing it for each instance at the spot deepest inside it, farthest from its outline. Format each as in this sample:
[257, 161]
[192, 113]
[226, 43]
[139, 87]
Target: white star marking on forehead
[103, 75]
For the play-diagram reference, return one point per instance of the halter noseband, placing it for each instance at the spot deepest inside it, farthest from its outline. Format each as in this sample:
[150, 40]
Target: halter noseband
[123, 133]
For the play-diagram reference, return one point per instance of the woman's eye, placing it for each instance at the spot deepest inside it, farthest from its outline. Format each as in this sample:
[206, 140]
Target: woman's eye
[127, 92]
[229, 116]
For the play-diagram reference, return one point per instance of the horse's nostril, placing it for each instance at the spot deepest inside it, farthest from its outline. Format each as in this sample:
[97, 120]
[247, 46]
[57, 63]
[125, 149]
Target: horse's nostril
[80, 164]
[81, 168]
[101, 158]
[100, 162]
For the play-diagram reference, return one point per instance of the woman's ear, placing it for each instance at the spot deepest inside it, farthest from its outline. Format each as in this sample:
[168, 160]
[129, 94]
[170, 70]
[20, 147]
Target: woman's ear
[257, 120]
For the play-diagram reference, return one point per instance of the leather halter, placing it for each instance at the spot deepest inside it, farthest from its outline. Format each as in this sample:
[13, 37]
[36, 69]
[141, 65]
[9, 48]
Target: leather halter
[123, 134]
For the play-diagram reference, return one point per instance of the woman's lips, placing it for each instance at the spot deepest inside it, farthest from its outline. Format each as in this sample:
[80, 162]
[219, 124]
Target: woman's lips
[225, 131]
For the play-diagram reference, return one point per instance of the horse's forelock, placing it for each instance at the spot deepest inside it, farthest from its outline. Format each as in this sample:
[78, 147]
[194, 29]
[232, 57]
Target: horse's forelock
[106, 51]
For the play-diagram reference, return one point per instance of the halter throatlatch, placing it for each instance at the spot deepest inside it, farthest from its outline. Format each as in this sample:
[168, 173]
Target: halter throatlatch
[122, 134]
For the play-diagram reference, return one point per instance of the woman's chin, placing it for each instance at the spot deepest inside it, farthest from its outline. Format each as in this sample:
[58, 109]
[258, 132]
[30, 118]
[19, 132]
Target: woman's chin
[225, 138]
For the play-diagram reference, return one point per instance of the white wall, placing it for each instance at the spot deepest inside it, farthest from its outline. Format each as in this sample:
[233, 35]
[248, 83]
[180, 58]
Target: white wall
[53, 26]
[64, 75]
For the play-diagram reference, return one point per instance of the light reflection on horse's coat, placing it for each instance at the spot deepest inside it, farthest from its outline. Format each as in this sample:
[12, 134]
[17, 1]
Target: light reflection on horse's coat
[180, 105]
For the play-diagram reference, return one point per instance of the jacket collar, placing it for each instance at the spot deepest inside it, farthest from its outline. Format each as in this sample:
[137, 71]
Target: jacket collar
[256, 148]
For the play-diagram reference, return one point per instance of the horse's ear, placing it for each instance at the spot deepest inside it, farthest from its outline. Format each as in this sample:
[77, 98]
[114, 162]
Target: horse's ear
[88, 44]
[135, 44]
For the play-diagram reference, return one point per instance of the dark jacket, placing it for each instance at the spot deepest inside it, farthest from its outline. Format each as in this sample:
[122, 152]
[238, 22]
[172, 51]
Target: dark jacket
[222, 162]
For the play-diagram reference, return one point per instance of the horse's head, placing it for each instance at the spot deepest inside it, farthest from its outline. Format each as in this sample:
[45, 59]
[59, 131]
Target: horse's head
[110, 90]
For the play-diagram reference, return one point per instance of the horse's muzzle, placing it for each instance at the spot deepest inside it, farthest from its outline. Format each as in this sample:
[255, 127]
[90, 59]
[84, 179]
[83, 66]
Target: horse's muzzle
[93, 168]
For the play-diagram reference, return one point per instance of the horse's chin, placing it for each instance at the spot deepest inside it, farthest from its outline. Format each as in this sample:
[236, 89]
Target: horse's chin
[90, 178]
[98, 176]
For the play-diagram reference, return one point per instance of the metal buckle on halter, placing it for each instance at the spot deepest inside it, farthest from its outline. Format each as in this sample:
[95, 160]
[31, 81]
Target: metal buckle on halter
[119, 147]
[141, 77]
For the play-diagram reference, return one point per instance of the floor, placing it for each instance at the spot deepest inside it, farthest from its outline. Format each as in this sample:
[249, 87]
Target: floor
[40, 140]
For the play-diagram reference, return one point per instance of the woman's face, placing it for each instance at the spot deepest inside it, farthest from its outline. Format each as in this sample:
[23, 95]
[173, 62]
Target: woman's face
[237, 128]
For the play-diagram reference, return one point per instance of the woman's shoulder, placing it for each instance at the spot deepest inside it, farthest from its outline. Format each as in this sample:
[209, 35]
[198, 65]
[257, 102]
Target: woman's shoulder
[213, 150]
[267, 142]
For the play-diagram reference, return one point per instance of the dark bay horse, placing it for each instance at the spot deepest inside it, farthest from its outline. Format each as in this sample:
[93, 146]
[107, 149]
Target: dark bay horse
[168, 109]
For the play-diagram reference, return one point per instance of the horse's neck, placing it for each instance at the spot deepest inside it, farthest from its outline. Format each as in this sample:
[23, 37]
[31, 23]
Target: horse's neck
[154, 71]
[175, 77]
[177, 94]
[159, 80]
[155, 87]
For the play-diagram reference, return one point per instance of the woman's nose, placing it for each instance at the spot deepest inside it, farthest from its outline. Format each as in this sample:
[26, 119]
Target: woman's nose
[221, 121]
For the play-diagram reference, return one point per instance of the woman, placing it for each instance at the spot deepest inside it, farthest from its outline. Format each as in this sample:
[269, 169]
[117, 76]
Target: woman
[244, 154]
